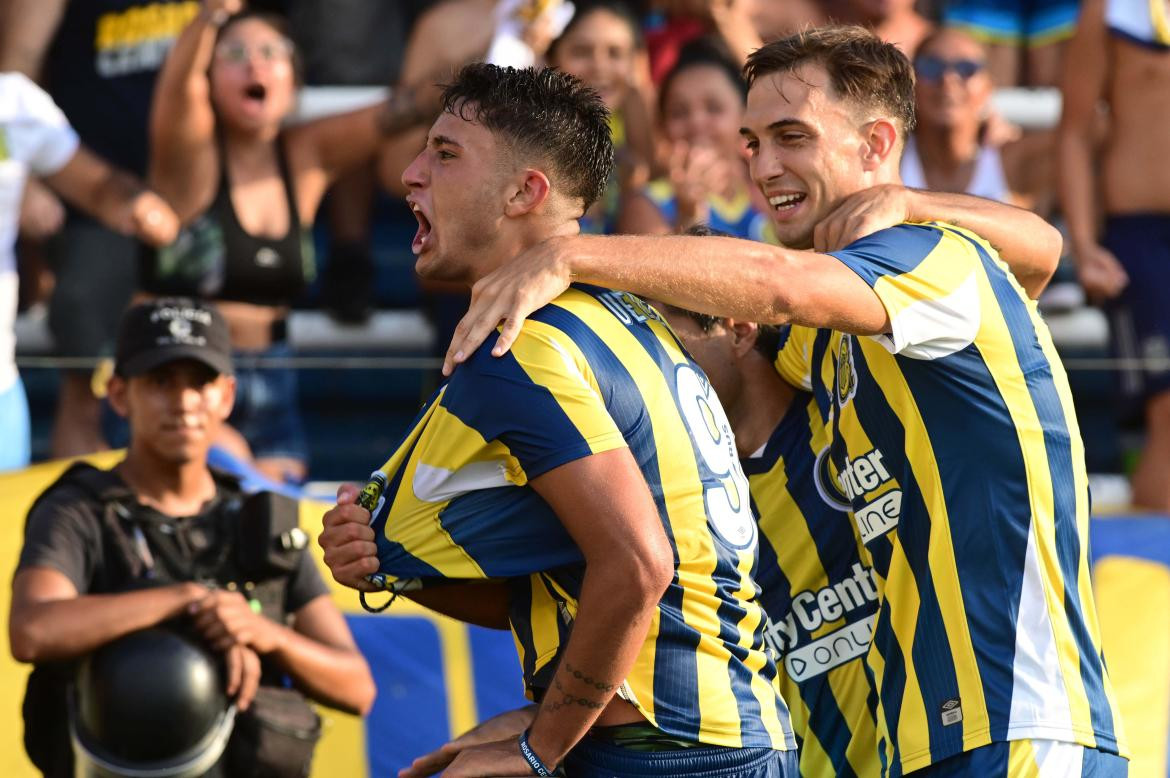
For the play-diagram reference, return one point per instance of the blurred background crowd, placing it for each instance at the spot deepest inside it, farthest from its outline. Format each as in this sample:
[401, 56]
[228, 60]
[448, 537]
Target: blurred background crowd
[278, 137]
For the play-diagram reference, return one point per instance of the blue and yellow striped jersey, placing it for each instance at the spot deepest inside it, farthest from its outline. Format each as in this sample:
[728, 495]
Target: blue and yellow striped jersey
[955, 440]
[593, 371]
[820, 594]
[737, 216]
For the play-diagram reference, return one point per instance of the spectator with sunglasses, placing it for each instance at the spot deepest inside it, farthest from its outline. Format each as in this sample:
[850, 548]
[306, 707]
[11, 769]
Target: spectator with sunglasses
[247, 190]
[948, 151]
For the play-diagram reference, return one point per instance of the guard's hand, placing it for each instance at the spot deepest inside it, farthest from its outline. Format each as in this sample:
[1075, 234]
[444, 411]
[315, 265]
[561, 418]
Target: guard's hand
[226, 619]
[500, 727]
[348, 541]
[861, 214]
[153, 221]
[509, 295]
[500, 758]
[243, 675]
[1101, 275]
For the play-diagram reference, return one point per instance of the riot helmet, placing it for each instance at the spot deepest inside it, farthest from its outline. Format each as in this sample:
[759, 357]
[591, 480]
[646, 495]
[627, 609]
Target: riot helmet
[150, 704]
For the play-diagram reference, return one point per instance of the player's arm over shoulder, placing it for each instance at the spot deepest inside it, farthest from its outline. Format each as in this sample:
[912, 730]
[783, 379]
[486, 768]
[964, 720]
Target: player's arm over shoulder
[540, 399]
[926, 277]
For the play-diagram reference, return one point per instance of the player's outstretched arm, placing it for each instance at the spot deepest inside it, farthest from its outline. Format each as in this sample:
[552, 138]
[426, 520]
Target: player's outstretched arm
[606, 507]
[1029, 245]
[721, 276]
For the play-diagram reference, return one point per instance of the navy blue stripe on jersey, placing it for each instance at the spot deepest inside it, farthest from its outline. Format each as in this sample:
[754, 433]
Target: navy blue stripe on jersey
[726, 575]
[675, 682]
[737, 672]
[519, 610]
[817, 360]
[775, 588]
[500, 537]
[539, 447]
[405, 564]
[1039, 379]
[893, 679]
[991, 471]
[889, 252]
[827, 723]
[825, 720]
[931, 651]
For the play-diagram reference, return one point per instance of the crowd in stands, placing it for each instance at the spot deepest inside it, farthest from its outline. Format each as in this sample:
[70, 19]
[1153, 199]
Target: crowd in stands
[193, 98]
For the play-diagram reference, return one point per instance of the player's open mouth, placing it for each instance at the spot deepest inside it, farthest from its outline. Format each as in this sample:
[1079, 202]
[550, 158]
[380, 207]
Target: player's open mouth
[422, 237]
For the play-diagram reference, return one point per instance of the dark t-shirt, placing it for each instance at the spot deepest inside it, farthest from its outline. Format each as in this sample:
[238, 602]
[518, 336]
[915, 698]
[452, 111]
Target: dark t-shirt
[64, 532]
[101, 69]
[68, 530]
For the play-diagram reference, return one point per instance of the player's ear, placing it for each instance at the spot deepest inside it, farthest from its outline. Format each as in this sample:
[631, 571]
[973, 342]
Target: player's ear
[531, 192]
[881, 137]
[743, 335]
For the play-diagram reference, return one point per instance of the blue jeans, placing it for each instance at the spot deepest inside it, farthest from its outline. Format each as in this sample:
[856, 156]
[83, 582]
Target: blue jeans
[593, 758]
[15, 448]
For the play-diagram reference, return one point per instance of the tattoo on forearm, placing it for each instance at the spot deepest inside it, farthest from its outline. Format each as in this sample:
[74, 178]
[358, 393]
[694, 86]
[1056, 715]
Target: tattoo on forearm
[600, 686]
[566, 700]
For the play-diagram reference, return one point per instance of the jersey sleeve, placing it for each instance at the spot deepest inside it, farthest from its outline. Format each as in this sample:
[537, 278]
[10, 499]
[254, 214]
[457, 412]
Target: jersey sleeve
[61, 535]
[794, 357]
[40, 136]
[926, 277]
[538, 400]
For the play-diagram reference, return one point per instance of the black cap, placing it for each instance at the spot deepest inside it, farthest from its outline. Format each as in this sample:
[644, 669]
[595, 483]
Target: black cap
[169, 329]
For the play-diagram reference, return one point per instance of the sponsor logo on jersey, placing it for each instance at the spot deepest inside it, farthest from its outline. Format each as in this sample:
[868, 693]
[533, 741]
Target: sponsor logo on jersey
[828, 487]
[862, 476]
[812, 609]
[628, 308]
[846, 372]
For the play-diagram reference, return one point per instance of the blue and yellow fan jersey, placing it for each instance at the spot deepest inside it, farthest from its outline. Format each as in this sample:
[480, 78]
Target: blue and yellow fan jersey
[737, 217]
[954, 438]
[820, 594]
[593, 371]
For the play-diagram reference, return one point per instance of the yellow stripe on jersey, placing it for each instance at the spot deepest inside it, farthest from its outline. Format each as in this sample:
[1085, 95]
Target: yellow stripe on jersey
[818, 588]
[697, 556]
[595, 370]
[941, 431]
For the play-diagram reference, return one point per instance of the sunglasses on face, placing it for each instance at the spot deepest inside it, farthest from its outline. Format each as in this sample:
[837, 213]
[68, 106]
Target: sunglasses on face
[933, 69]
[238, 52]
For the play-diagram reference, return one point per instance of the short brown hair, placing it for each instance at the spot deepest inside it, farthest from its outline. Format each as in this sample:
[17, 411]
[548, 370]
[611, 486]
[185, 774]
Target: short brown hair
[861, 67]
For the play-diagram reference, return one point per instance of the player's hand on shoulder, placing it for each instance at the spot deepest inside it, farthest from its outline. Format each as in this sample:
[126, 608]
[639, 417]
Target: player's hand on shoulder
[509, 295]
[508, 724]
[348, 541]
[862, 213]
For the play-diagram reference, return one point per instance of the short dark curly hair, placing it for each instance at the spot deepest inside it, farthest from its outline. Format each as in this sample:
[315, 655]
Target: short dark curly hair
[861, 67]
[544, 114]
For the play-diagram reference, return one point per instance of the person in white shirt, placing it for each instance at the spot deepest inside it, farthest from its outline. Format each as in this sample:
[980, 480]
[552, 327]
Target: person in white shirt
[949, 150]
[36, 139]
